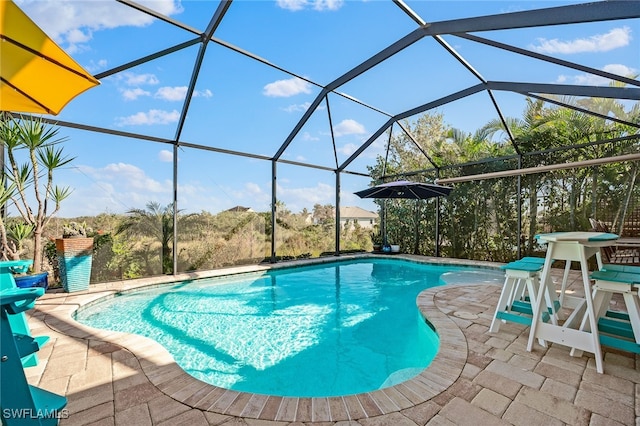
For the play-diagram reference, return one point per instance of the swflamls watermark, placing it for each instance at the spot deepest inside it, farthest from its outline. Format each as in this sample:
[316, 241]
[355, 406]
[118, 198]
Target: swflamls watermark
[30, 413]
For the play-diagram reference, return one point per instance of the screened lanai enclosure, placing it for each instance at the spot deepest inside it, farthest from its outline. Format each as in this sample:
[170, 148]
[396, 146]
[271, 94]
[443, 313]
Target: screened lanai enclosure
[237, 132]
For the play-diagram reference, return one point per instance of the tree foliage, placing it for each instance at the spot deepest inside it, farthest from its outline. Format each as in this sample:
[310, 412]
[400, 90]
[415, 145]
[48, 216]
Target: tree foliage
[33, 154]
[155, 225]
[479, 219]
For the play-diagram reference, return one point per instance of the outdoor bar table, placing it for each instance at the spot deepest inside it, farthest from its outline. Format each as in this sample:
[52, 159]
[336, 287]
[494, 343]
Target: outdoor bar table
[580, 247]
[628, 242]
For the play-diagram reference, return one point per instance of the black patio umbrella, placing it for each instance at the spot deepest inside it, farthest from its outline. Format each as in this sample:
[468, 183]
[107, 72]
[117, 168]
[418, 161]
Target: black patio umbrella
[405, 189]
[409, 190]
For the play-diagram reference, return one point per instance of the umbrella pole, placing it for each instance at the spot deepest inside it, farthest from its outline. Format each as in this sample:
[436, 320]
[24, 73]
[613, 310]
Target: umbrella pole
[415, 234]
[384, 223]
[437, 226]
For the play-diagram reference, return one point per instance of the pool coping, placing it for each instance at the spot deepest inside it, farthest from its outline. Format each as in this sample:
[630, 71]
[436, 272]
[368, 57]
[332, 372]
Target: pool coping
[168, 377]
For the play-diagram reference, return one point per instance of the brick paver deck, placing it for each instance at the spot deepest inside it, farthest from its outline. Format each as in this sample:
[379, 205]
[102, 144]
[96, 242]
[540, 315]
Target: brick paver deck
[477, 378]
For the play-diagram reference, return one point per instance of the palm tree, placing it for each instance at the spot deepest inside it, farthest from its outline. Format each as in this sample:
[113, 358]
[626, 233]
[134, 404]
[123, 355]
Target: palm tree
[156, 222]
[528, 132]
[601, 128]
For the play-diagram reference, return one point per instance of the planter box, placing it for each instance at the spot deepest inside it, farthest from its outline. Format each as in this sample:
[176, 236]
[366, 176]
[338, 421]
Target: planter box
[74, 260]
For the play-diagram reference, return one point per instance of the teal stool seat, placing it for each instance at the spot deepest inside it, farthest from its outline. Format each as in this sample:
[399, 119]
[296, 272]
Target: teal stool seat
[520, 265]
[531, 259]
[621, 268]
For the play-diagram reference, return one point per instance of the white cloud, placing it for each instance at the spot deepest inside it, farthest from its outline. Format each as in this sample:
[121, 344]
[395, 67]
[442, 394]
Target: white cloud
[116, 187]
[258, 198]
[348, 127]
[133, 94]
[320, 5]
[617, 37]
[172, 93]
[292, 4]
[154, 116]
[132, 79]
[94, 66]
[620, 69]
[286, 88]
[188, 190]
[203, 93]
[253, 188]
[124, 175]
[347, 149]
[298, 107]
[133, 175]
[306, 136]
[71, 22]
[178, 93]
[378, 147]
[165, 156]
[327, 4]
[297, 198]
[247, 193]
[76, 36]
[596, 80]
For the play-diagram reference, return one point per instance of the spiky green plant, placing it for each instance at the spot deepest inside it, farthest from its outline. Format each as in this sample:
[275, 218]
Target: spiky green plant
[43, 156]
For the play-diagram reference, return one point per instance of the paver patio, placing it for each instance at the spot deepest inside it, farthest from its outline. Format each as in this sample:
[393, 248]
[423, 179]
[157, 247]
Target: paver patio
[477, 378]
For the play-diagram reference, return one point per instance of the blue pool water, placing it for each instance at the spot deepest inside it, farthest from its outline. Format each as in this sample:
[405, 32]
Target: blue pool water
[326, 330]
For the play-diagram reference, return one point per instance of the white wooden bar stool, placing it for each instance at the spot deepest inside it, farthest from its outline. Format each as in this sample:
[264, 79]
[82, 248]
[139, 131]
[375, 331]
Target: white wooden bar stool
[617, 329]
[519, 292]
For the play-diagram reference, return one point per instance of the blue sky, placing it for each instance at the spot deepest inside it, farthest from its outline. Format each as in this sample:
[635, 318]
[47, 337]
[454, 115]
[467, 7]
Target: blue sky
[246, 106]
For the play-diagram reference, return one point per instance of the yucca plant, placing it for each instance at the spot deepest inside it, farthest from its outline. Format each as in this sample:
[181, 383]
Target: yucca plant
[18, 233]
[31, 171]
[8, 248]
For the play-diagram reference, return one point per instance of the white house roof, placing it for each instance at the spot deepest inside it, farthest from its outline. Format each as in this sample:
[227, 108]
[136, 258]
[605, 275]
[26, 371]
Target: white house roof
[356, 212]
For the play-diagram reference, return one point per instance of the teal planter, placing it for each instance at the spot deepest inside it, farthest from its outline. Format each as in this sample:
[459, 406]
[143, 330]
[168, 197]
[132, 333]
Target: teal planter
[74, 259]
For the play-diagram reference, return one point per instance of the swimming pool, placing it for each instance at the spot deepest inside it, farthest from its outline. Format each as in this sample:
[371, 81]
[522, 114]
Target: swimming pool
[326, 330]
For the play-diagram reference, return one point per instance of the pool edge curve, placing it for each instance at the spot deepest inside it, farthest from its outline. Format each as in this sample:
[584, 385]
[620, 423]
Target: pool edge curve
[164, 373]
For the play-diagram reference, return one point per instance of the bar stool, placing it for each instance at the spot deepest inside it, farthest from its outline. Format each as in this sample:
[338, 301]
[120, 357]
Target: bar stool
[519, 292]
[617, 329]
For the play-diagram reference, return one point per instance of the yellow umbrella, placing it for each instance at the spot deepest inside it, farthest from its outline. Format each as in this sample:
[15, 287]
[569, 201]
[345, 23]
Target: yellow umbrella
[36, 75]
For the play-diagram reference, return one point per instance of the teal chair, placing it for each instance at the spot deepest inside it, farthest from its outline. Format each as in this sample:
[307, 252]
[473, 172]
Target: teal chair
[19, 321]
[22, 404]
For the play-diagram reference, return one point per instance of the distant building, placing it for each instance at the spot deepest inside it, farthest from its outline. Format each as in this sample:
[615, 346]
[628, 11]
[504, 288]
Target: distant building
[239, 209]
[364, 218]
